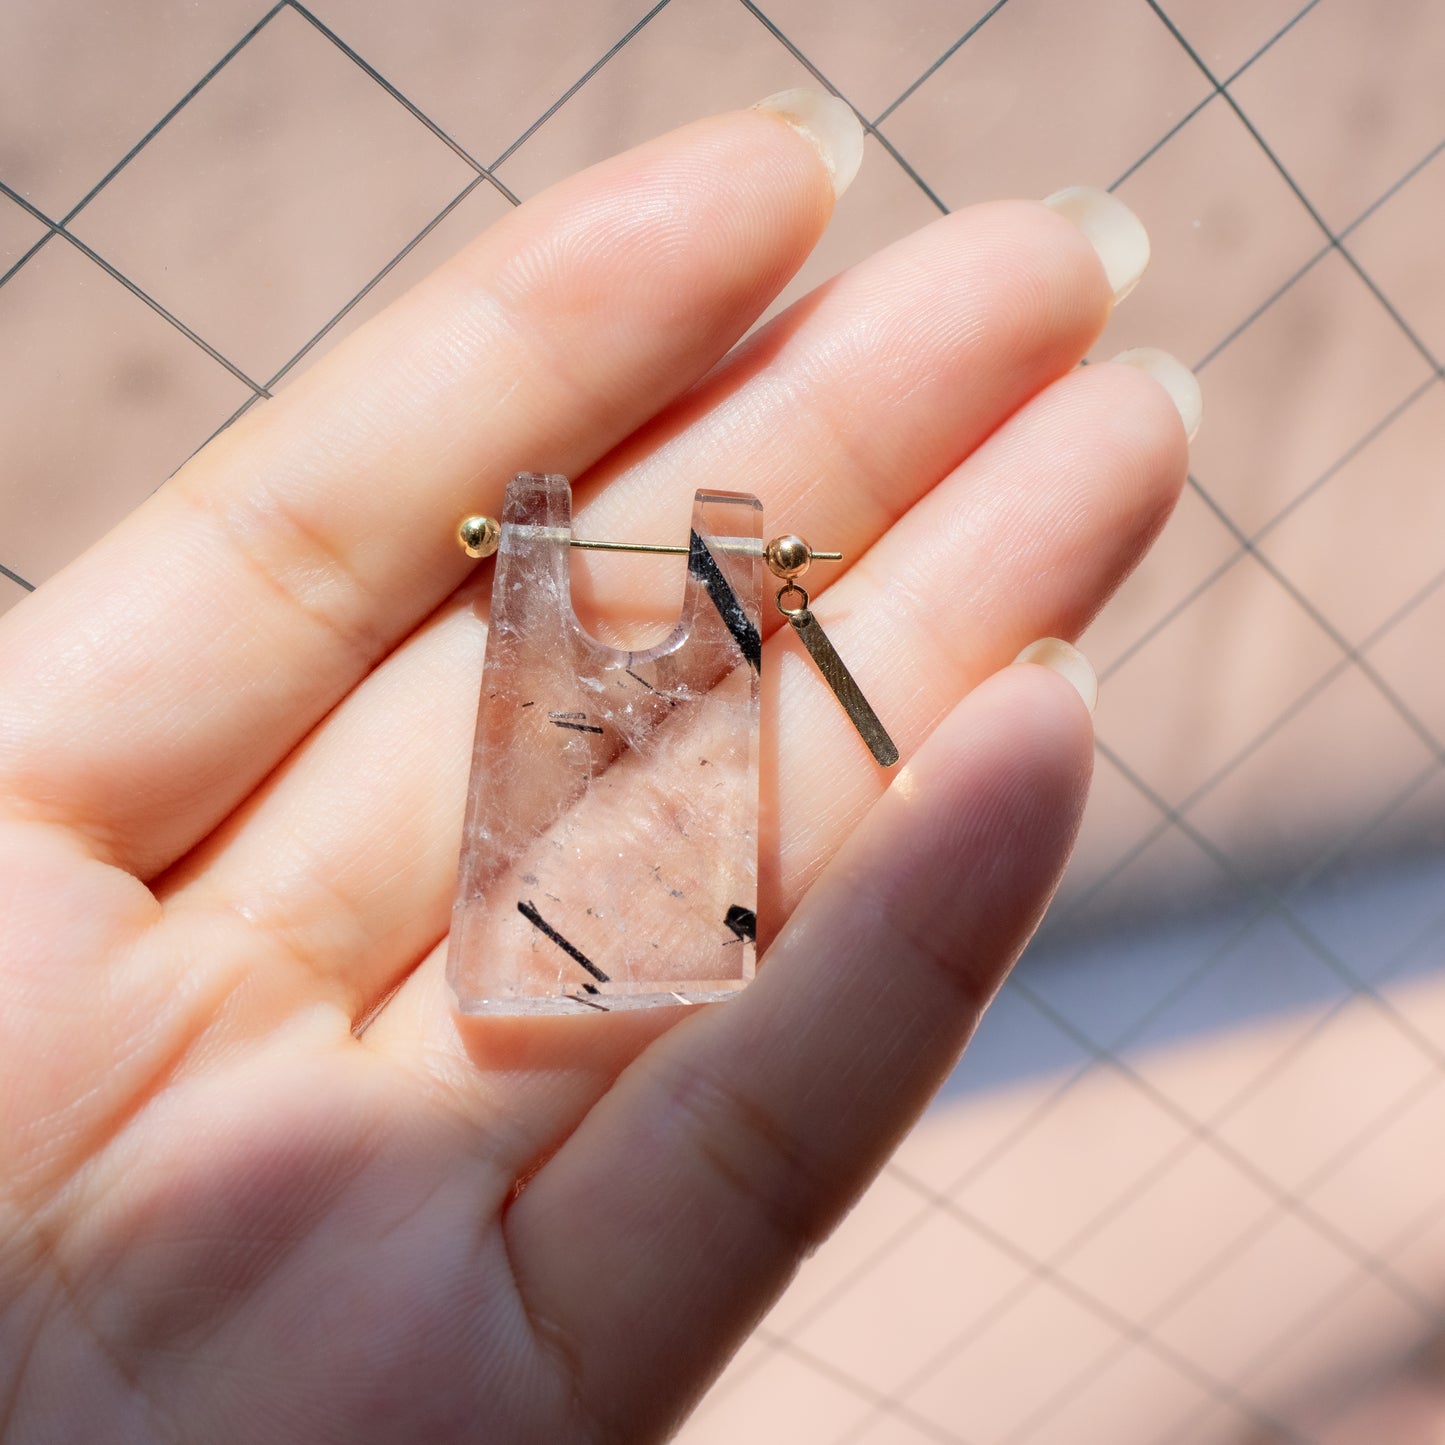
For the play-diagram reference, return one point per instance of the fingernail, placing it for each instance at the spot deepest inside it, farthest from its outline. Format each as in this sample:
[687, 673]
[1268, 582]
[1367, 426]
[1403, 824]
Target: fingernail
[1114, 231]
[827, 124]
[1070, 664]
[1174, 377]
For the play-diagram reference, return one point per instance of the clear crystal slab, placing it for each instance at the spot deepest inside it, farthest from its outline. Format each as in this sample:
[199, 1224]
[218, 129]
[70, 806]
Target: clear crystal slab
[609, 855]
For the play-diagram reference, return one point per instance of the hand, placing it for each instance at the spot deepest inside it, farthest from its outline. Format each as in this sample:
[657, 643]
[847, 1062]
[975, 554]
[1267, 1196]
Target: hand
[233, 749]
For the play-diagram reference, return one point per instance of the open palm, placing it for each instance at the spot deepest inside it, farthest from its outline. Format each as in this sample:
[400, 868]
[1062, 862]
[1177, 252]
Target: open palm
[257, 1181]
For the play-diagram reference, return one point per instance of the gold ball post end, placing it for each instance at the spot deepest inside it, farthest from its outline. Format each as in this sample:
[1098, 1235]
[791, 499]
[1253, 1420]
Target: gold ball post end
[788, 556]
[479, 536]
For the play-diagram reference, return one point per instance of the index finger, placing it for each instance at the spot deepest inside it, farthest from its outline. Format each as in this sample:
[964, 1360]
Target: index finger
[187, 653]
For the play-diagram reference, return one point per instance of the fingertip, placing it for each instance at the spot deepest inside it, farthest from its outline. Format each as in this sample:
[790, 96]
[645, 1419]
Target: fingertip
[1009, 770]
[1179, 383]
[1068, 662]
[1112, 229]
[828, 124]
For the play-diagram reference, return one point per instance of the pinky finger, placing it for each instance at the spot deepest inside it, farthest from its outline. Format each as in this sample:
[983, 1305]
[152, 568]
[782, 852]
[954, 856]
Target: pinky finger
[667, 1223]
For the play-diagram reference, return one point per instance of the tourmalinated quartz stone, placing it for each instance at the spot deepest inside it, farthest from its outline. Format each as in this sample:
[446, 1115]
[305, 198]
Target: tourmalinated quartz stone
[609, 857]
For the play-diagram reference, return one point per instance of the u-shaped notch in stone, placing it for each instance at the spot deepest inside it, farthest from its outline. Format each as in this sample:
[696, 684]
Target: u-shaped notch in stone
[609, 854]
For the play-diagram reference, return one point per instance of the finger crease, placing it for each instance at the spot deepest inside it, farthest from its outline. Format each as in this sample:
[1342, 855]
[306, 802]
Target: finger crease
[748, 1148]
[556, 1343]
[363, 642]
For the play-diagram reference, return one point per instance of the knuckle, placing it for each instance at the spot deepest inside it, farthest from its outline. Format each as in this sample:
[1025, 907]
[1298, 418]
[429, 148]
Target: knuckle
[743, 1144]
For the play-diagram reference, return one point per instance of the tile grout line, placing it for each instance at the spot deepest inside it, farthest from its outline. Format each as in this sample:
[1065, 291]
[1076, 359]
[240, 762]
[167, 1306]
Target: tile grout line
[414, 110]
[1039, 1273]
[1411, 1231]
[173, 112]
[1335, 671]
[942, 60]
[1049, 1105]
[151, 134]
[58, 228]
[1377, 430]
[1349, 649]
[870, 127]
[581, 81]
[1279, 906]
[35, 248]
[1262, 909]
[1334, 241]
[374, 282]
[1251, 1235]
[1219, 87]
[1293, 280]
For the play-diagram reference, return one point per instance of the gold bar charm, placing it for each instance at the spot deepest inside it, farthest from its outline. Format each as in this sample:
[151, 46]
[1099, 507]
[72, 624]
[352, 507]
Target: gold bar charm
[845, 689]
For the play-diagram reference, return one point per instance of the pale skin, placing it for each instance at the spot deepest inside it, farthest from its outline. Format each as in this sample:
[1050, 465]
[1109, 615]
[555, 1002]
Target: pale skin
[234, 739]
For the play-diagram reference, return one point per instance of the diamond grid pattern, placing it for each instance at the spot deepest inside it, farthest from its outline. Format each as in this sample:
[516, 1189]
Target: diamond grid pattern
[1279, 241]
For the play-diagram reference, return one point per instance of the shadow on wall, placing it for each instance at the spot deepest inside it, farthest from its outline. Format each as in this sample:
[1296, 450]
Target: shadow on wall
[1250, 960]
[1402, 1405]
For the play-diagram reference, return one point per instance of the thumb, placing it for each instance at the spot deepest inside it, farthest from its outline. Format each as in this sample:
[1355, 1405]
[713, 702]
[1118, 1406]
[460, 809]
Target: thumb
[668, 1222]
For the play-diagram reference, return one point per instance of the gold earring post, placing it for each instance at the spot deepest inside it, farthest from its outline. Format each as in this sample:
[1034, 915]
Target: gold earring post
[788, 556]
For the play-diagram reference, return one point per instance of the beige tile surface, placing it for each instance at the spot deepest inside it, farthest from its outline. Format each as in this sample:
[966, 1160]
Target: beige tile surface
[1046, 96]
[1385, 501]
[1389, 944]
[1263, 1294]
[1266, 815]
[485, 71]
[1139, 1396]
[1405, 657]
[254, 216]
[696, 56]
[1339, 369]
[1290, 987]
[19, 231]
[1171, 1234]
[1418, 1252]
[801, 1403]
[1062, 1341]
[874, 53]
[1350, 99]
[103, 400]
[1068, 1154]
[891, 1429]
[80, 84]
[1398, 247]
[1166, 873]
[1227, 233]
[1243, 653]
[861, 1333]
[1296, 1143]
[1227, 33]
[1376, 1328]
[1426, 1006]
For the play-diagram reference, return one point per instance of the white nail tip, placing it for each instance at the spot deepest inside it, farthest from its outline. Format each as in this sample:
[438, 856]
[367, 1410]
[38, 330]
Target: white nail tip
[1114, 231]
[1176, 378]
[828, 124]
[1070, 664]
